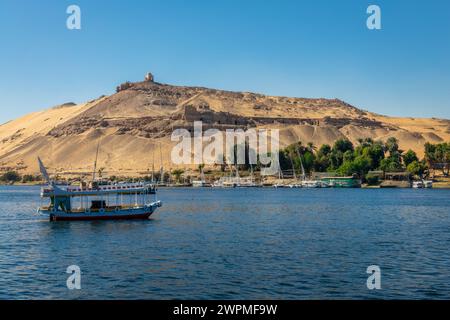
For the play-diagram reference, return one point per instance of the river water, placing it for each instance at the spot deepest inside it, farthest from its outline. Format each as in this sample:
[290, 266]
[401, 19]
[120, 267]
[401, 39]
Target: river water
[235, 244]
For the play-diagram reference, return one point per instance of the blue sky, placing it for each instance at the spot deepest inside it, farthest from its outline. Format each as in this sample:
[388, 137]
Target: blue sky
[292, 48]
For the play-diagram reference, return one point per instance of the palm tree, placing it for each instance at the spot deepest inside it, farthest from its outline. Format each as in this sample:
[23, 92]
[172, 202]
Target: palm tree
[311, 147]
[177, 173]
[292, 163]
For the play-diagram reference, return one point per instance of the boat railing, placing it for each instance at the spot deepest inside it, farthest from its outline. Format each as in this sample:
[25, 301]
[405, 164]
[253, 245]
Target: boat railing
[108, 187]
[119, 187]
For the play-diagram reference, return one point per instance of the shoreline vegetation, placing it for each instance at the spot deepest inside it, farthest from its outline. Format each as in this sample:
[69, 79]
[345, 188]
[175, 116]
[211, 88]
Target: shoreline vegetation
[370, 161]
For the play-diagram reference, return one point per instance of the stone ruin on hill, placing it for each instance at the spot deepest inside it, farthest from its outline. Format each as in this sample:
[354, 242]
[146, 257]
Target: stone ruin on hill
[127, 85]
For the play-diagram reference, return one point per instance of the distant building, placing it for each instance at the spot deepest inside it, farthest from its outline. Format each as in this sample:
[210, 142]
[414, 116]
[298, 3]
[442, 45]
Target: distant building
[396, 180]
[124, 86]
[149, 77]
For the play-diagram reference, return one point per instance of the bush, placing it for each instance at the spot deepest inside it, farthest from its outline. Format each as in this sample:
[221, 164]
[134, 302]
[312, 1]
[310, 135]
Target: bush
[10, 176]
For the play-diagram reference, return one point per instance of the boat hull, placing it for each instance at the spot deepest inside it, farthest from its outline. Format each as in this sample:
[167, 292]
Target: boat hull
[129, 214]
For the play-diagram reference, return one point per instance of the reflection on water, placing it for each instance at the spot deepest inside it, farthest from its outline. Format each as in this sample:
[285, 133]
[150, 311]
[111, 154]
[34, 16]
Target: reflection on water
[234, 244]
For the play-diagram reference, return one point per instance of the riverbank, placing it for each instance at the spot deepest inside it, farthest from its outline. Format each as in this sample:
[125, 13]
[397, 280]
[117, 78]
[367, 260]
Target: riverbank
[25, 184]
[441, 183]
[438, 183]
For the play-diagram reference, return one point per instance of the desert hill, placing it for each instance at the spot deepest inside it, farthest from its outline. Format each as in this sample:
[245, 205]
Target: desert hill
[132, 124]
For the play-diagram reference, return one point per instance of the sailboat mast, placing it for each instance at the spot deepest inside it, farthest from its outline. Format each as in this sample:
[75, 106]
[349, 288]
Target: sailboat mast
[293, 168]
[153, 166]
[202, 174]
[95, 163]
[161, 170]
[301, 163]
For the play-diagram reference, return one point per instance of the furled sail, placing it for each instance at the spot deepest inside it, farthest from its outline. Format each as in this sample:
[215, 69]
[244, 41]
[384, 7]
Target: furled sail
[44, 171]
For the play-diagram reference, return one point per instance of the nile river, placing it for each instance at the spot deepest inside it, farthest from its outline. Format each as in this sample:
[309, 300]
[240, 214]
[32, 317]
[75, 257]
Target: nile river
[235, 244]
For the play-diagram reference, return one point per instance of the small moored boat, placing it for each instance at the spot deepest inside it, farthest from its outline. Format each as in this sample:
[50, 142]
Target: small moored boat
[420, 184]
[417, 184]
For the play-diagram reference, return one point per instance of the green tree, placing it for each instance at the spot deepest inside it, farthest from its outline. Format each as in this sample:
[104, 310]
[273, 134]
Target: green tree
[294, 155]
[392, 145]
[417, 168]
[177, 173]
[325, 150]
[374, 150]
[308, 161]
[391, 164]
[165, 177]
[311, 147]
[340, 147]
[394, 161]
[376, 153]
[348, 156]
[343, 145]
[28, 178]
[322, 159]
[409, 157]
[359, 166]
[11, 176]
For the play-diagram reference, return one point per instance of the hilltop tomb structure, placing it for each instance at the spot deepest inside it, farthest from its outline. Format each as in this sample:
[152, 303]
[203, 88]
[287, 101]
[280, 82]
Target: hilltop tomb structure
[124, 86]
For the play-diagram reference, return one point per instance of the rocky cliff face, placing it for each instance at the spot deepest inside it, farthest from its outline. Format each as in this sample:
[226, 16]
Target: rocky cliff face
[132, 123]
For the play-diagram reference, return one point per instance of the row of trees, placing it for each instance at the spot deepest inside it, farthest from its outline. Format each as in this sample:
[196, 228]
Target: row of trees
[12, 176]
[344, 158]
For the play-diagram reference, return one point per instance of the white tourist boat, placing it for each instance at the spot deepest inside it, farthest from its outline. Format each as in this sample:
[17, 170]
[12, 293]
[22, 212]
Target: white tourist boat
[311, 184]
[236, 181]
[417, 184]
[98, 202]
[427, 184]
[199, 183]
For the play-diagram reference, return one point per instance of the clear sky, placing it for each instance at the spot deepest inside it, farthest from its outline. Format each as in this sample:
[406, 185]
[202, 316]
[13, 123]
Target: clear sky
[293, 48]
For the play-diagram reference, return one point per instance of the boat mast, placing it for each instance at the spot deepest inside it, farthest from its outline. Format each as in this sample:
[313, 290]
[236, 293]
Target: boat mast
[161, 169]
[280, 172]
[153, 167]
[202, 174]
[95, 163]
[292, 164]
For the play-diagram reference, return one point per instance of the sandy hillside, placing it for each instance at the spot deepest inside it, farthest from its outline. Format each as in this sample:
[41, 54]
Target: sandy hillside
[134, 126]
